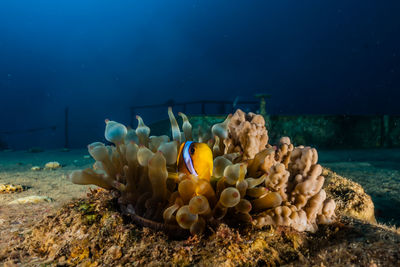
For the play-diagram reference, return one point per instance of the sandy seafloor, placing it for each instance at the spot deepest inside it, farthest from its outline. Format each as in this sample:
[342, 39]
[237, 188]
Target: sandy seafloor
[378, 171]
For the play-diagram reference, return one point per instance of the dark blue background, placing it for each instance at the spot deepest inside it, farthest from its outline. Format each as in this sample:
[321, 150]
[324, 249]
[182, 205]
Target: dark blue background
[100, 57]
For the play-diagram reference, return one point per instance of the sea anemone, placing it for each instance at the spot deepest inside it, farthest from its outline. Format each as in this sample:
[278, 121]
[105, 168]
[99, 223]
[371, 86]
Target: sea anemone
[252, 181]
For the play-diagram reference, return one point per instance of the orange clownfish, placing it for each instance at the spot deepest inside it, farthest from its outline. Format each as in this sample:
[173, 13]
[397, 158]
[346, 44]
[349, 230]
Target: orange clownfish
[195, 158]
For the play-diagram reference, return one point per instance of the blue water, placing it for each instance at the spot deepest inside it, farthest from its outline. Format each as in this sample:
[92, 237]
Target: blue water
[101, 57]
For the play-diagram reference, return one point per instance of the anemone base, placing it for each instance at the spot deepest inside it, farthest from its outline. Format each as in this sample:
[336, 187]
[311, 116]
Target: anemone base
[172, 230]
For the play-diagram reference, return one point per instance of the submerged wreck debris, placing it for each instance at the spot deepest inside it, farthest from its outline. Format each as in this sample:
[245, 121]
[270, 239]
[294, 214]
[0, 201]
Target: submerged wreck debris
[180, 186]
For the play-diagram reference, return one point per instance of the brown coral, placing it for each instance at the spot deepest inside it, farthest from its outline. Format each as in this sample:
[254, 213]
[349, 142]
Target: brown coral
[247, 134]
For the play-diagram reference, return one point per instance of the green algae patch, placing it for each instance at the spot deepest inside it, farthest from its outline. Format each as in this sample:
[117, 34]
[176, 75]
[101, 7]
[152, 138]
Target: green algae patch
[89, 215]
[86, 208]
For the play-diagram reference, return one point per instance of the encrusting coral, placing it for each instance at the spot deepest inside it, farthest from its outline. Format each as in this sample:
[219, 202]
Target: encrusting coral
[252, 181]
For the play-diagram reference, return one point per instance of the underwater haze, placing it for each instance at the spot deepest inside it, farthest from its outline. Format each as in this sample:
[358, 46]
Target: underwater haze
[100, 57]
[199, 133]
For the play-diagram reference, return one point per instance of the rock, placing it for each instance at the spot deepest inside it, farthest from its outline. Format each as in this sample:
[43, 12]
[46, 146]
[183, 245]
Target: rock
[65, 237]
[10, 188]
[36, 168]
[31, 200]
[350, 197]
[52, 165]
[10, 263]
[114, 252]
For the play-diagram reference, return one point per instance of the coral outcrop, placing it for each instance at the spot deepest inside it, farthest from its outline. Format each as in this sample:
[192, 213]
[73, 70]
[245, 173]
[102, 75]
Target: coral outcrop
[350, 197]
[246, 133]
[252, 181]
[92, 232]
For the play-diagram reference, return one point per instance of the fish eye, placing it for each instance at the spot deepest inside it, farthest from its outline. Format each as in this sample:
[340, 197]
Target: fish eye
[192, 150]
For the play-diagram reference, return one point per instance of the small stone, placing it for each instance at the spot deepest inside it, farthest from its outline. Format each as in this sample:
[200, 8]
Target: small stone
[52, 165]
[31, 200]
[35, 168]
[114, 252]
[10, 263]
[10, 188]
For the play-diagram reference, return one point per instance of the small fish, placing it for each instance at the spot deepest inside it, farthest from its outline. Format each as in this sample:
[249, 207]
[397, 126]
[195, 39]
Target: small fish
[195, 158]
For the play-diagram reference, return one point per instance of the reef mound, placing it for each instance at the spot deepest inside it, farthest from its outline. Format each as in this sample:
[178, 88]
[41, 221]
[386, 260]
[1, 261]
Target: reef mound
[243, 200]
[93, 232]
[350, 197]
[185, 185]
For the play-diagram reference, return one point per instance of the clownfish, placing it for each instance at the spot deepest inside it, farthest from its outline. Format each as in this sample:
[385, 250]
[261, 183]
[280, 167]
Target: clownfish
[195, 158]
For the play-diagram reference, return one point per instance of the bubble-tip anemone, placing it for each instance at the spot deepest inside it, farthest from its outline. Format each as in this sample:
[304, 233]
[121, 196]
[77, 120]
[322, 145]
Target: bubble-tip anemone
[251, 181]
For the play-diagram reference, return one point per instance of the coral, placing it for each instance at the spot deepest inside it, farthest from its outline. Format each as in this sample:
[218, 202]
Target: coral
[277, 179]
[247, 134]
[252, 181]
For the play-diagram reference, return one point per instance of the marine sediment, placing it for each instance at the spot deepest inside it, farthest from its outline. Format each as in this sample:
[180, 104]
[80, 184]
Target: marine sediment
[92, 231]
